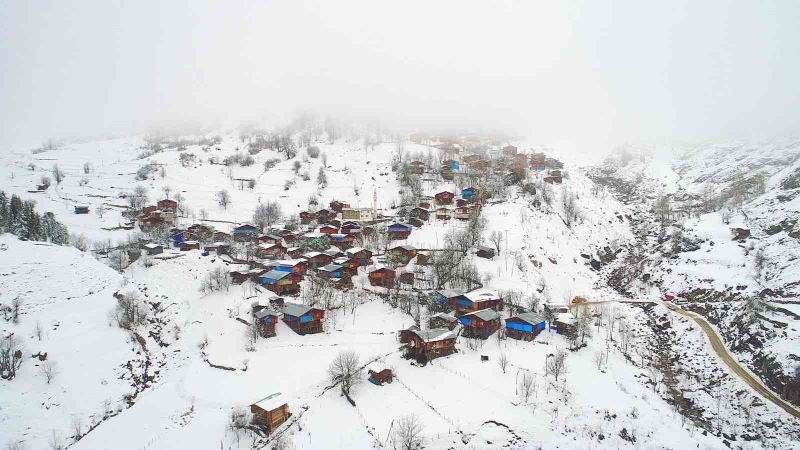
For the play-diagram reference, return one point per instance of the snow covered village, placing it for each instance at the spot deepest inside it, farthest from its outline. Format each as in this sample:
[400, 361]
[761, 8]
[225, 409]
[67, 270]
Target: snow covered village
[325, 280]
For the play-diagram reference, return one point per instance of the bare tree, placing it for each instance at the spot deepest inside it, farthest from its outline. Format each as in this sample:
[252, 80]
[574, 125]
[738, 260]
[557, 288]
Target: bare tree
[599, 359]
[407, 433]
[344, 370]
[138, 199]
[56, 442]
[496, 238]
[166, 190]
[10, 356]
[38, 330]
[58, 174]
[223, 198]
[322, 179]
[502, 361]
[267, 214]
[77, 427]
[569, 203]
[556, 364]
[527, 386]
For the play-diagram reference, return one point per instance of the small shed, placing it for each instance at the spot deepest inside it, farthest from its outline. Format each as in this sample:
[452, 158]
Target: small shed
[270, 412]
[443, 320]
[525, 326]
[266, 318]
[81, 210]
[379, 377]
[152, 248]
[485, 252]
[185, 246]
[303, 319]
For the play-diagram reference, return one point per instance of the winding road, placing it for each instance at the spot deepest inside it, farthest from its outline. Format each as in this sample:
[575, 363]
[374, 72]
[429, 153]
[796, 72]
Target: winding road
[722, 352]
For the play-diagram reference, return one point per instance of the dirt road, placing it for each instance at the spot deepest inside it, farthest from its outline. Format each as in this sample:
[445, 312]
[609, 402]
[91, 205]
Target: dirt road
[730, 361]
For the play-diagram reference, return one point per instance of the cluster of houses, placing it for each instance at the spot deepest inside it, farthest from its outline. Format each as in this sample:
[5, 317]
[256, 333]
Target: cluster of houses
[475, 314]
[162, 213]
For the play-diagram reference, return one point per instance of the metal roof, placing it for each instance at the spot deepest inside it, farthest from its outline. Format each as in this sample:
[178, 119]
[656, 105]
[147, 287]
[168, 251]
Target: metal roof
[275, 274]
[529, 317]
[296, 310]
[485, 314]
[271, 401]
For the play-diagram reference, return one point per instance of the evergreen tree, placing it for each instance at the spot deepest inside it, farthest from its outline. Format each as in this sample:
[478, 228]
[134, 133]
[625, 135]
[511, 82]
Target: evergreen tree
[3, 212]
[15, 215]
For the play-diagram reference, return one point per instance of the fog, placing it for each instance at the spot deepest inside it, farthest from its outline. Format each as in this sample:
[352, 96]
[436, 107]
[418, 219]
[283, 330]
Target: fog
[590, 73]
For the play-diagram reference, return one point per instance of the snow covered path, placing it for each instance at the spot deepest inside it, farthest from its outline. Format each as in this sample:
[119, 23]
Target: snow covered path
[722, 352]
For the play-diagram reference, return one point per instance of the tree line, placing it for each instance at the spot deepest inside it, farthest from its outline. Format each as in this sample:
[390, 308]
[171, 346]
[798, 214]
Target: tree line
[19, 217]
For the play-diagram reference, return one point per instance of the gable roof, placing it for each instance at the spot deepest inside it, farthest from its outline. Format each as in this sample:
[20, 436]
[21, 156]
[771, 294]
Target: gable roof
[450, 293]
[296, 310]
[275, 274]
[481, 295]
[354, 250]
[529, 317]
[434, 334]
[271, 401]
[403, 247]
[330, 268]
[446, 316]
[485, 314]
[266, 312]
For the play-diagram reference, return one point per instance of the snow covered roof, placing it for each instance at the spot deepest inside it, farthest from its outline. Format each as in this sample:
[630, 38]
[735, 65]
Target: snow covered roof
[311, 255]
[266, 312]
[450, 293]
[331, 251]
[485, 248]
[151, 245]
[354, 250]
[481, 295]
[565, 318]
[435, 334]
[271, 401]
[404, 247]
[485, 314]
[446, 316]
[276, 274]
[287, 262]
[529, 317]
[293, 309]
[330, 268]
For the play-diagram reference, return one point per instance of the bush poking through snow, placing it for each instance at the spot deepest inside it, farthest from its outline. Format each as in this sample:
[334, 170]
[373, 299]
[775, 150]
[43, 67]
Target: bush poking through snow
[49, 370]
[131, 310]
[10, 356]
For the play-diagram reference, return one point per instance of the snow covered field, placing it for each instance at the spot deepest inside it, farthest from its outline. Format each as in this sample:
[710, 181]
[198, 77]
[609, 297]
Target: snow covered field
[177, 399]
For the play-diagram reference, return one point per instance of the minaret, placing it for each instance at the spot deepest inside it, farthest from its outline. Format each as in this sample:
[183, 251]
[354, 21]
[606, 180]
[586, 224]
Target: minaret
[374, 203]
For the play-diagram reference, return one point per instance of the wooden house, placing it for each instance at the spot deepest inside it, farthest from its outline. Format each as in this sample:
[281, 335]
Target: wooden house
[464, 213]
[221, 236]
[134, 254]
[402, 254]
[380, 376]
[307, 217]
[244, 232]
[325, 215]
[426, 204]
[444, 197]
[270, 412]
[281, 282]
[443, 320]
[269, 239]
[416, 223]
[297, 266]
[480, 324]
[477, 300]
[220, 248]
[564, 323]
[270, 250]
[338, 206]
[167, 204]
[399, 231]
[153, 248]
[349, 265]
[81, 210]
[350, 226]
[554, 177]
[361, 255]
[525, 326]
[185, 246]
[425, 345]
[330, 271]
[342, 241]
[406, 278]
[417, 167]
[404, 335]
[328, 229]
[509, 150]
[420, 213]
[266, 319]
[303, 319]
[333, 252]
[485, 252]
[294, 252]
[447, 296]
[423, 258]
[443, 213]
[317, 259]
[383, 276]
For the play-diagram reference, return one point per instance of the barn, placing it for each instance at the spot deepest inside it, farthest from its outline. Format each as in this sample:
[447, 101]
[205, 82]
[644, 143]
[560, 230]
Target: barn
[270, 412]
[303, 319]
[420, 213]
[564, 323]
[361, 255]
[152, 248]
[525, 326]
[480, 324]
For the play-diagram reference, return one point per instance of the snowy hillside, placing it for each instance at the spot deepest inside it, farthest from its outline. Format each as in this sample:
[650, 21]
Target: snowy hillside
[172, 362]
[746, 284]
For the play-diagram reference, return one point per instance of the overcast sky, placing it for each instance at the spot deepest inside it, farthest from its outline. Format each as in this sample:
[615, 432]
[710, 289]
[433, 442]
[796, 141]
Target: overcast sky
[590, 72]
